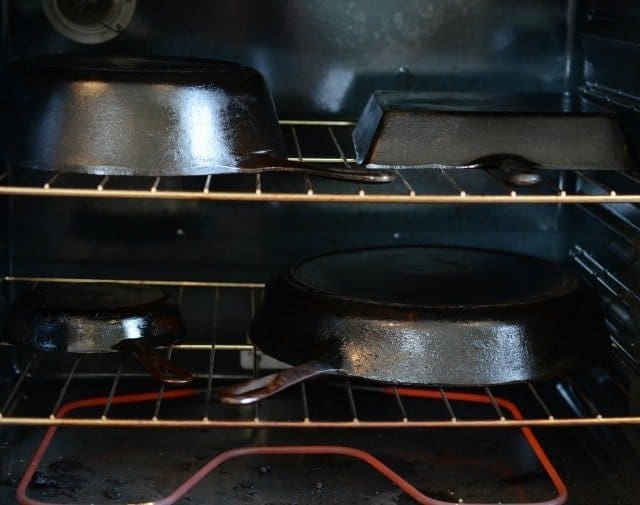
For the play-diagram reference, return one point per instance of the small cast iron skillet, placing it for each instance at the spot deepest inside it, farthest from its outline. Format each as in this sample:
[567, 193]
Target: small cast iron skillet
[149, 117]
[424, 316]
[100, 318]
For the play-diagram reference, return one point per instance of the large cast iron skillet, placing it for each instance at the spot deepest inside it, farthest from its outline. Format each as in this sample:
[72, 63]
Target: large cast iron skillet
[149, 117]
[100, 318]
[424, 316]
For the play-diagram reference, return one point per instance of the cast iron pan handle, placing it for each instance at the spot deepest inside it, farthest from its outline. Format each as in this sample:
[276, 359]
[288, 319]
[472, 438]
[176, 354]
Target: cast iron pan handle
[159, 367]
[340, 174]
[345, 173]
[514, 169]
[258, 389]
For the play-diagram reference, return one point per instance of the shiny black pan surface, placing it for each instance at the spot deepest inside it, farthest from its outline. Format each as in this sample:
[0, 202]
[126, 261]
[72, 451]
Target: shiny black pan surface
[399, 129]
[114, 115]
[99, 318]
[425, 316]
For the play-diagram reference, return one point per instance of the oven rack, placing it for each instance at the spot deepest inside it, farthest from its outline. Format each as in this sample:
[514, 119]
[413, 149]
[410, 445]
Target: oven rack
[328, 142]
[552, 403]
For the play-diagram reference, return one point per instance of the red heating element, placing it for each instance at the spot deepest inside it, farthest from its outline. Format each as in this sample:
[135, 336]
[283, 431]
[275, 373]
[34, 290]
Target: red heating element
[419, 497]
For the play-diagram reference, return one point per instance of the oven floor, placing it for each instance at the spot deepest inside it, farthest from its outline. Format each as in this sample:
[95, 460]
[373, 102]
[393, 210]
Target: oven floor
[112, 466]
[125, 466]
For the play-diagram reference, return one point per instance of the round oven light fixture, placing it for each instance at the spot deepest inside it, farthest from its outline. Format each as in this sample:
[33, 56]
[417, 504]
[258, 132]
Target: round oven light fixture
[89, 21]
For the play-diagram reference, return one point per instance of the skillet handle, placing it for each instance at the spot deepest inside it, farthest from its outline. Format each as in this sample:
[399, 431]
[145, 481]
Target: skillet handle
[340, 174]
[260, 388]
[159, 367]
[515, 170]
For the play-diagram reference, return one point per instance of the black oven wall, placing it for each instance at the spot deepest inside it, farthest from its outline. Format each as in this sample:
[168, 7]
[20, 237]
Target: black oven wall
[322, 58]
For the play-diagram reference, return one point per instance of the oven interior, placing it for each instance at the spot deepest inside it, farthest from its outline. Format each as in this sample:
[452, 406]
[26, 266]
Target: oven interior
[212, 242]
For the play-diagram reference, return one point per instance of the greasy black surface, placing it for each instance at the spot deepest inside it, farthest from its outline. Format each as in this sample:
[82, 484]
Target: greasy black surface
[430, 277]
[92, 317]
[120, 115]
[553, 327]
[416, 129]
[131, 116]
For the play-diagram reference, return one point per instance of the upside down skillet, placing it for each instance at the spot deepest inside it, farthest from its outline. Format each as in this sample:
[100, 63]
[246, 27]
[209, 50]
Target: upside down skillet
[113, 115]
[100, 318]
[424, 316]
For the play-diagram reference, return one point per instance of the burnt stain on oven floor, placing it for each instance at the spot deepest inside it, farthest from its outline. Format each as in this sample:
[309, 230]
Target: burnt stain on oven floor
[103, 466]
[146, 473]
[125, 466]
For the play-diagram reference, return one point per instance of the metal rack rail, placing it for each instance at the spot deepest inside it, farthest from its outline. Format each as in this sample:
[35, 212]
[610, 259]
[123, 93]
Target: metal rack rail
[328, 142]
[395, 407]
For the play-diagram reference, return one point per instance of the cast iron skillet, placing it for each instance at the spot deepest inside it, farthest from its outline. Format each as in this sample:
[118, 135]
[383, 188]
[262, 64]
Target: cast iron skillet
[149, 117]
[100, 318]
[424, 316]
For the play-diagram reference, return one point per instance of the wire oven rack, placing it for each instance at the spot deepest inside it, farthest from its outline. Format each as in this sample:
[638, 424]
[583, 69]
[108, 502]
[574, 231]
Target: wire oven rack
[552, 404]
[328, 142]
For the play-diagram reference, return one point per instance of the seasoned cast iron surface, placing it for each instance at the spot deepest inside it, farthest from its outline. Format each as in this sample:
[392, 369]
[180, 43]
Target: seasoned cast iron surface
[92, 317]
[433, 277]
[428, 315]
[419, 129]
[132, 116]
[116, 115]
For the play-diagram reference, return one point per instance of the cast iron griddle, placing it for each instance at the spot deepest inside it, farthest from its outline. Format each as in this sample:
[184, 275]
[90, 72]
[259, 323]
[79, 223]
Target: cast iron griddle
[483, 130]
[425, 316]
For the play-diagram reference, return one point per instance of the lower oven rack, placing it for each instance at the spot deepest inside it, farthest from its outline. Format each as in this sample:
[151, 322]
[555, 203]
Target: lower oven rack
[568, 401]
[329, 142]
